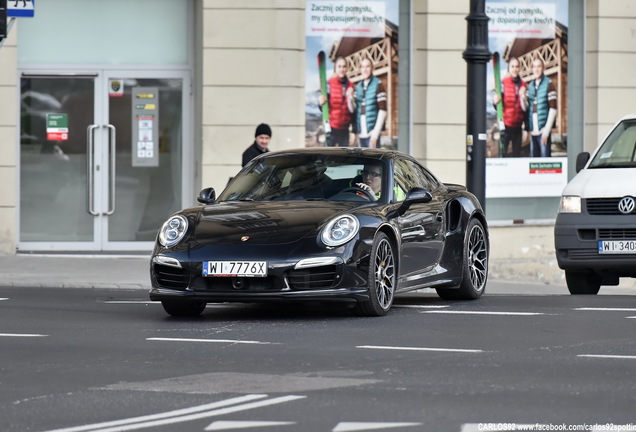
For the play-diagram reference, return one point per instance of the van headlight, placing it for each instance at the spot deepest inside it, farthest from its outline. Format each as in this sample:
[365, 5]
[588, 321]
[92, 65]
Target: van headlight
[340, 230]
[173, 230]
[570, 204]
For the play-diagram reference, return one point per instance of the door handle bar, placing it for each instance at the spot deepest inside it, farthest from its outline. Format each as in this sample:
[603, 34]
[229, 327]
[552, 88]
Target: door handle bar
[112, 144]
[90, 151]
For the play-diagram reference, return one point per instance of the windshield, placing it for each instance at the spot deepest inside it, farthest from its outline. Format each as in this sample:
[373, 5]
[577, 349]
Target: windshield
[288, 177]
[619, 149]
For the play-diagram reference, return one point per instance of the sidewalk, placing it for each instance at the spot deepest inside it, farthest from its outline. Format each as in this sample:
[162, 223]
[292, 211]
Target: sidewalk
[132, 272]
[75, 271]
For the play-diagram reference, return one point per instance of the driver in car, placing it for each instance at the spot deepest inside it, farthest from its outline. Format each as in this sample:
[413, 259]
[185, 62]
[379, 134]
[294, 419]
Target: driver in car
[371, 179]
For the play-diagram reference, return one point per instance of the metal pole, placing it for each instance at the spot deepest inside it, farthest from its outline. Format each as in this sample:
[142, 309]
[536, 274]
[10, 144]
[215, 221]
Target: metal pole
[477, 56]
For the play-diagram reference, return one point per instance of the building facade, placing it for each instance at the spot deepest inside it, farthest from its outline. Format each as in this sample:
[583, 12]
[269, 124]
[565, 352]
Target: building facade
[212, 70]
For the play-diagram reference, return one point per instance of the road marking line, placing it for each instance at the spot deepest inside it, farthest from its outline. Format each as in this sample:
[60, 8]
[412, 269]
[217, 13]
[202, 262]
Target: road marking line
[630, 357]
[21, 335]
[420, 306]
[380, 347]
[483, 313]
[4, 298]
[202, 415]
[607, 309]
[363, 426]
[229, 424]
[179, 412]
[235, 341]
[131, 302]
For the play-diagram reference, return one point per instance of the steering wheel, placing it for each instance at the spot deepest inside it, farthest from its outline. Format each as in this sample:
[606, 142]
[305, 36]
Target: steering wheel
[360, 192]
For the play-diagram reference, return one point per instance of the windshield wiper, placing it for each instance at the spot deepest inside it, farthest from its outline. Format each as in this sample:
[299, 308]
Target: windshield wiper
[615, 165]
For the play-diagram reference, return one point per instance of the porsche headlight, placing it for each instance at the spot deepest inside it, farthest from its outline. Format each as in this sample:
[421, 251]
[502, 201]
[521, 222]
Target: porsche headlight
[570, 204]
[340, 230]
[173, 230]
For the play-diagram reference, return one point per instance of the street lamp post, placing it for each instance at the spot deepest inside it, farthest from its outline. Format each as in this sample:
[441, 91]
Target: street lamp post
[477, 56]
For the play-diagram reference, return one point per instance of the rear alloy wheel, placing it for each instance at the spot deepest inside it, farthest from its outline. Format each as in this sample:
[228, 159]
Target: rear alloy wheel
[586, 283]
[382, 278]
[475, 265]
[183, 308]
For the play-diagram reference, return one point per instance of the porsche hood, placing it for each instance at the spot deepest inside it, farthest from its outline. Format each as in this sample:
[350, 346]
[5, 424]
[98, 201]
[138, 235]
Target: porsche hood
[269, 223]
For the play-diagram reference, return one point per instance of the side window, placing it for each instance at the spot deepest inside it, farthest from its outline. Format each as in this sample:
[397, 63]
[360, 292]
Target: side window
[430, 183]
[408, 175]
[401, 180]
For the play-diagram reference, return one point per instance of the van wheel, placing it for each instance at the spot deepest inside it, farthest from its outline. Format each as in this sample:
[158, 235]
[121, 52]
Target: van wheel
[587, 283]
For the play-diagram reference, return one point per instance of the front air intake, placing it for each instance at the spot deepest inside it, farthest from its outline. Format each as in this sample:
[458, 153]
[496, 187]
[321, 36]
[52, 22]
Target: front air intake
[313, 278]
[171, 277]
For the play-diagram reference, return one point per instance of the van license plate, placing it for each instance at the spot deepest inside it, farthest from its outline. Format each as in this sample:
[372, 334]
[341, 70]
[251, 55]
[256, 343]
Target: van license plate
[617, 247]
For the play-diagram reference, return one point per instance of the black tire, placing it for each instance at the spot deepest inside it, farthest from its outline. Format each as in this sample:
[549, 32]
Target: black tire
[582, 283]
[382, 278]
[183, 308]
[474, 265]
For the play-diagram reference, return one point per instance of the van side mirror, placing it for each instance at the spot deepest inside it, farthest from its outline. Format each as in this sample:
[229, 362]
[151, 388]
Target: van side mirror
[581, 160]
[207, 196]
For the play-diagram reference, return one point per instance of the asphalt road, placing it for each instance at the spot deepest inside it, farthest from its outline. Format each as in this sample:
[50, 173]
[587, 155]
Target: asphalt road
[110, 360]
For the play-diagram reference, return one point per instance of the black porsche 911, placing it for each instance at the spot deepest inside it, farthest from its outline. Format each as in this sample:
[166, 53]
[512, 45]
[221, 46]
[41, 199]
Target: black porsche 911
[323, 224]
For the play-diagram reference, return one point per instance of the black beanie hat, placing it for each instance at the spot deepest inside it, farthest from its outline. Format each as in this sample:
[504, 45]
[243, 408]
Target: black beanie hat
[263, 129]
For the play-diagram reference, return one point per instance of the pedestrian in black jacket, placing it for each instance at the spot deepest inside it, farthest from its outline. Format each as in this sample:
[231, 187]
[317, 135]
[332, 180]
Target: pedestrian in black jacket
[262, 136]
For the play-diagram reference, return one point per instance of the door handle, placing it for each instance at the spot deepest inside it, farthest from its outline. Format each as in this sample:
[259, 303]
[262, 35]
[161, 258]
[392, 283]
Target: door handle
[90, 153]
[112, 145]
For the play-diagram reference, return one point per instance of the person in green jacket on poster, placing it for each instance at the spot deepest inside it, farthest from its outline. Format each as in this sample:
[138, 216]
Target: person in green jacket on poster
[542, 110]
[369, 101]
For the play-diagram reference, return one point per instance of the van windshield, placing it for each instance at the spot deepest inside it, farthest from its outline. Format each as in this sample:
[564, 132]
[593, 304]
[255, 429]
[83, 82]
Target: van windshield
[619, 149]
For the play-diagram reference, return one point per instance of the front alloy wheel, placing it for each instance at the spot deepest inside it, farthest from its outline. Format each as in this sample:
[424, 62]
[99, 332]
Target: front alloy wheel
[382, 278]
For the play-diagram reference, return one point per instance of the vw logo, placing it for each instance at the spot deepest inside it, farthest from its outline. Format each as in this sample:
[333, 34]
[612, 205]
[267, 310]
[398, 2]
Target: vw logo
[626, 205]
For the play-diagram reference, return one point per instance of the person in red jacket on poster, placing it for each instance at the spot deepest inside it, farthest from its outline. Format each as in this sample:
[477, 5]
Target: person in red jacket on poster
[513, 92]
[339, 92]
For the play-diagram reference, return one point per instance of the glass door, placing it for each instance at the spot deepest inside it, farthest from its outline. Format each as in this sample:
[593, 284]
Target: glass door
[55, 112]
[101, 159]
[144, 133]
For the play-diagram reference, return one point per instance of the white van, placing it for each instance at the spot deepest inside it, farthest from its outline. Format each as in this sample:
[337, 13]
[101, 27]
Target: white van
[595, 231]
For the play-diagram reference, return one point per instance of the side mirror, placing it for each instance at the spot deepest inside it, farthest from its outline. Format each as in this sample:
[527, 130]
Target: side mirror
[207, 196]
[417, 196]
[413, 196]
[581, 160]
